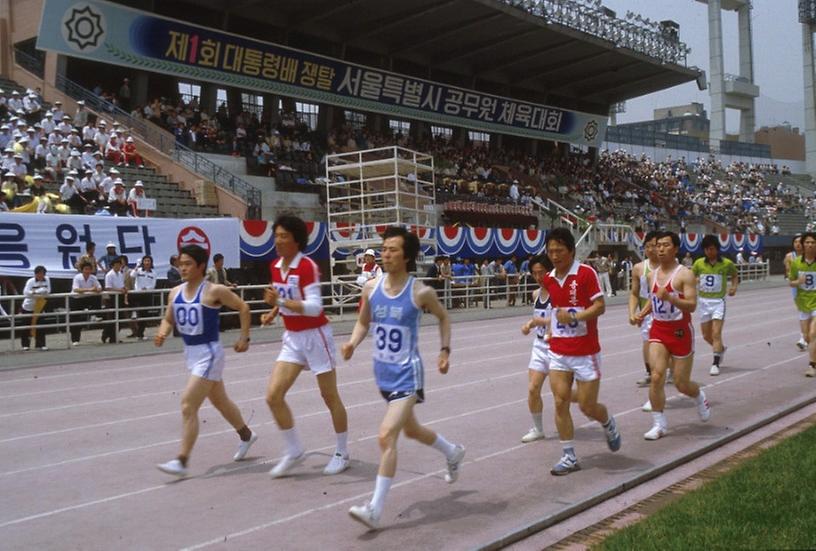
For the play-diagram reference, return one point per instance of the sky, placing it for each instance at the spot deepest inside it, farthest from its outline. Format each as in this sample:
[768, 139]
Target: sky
[777, 36]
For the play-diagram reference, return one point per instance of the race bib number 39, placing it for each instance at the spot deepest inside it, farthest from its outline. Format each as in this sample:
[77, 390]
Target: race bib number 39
[711, 283]
[391, 343]
[571, 329]
[810, 281]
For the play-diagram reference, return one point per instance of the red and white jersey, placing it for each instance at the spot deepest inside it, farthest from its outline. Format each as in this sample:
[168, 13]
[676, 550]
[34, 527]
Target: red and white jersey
[664, 311]
[575, 292]
[300, 282]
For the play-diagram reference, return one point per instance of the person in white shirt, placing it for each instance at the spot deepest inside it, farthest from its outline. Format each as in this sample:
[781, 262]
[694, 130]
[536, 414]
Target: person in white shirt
[134, 195]
[86, 290]
[36, 290]
[115, 299]
[74, 140]
[117, 198]
[101, 137]
[69, 194]
[18, 168]
[48, 123]
[58, 112]
[41, 152]
[88, 157]
[107, 182]
[88, 189]
[15, 103]
[144, 279]
[89, 133]
[65, 126]
[113, 152]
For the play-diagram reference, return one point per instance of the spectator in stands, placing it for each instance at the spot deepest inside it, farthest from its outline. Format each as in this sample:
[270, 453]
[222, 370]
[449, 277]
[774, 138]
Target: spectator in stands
[131, 155]
[88, 189]
[113, 151]
[89, 257]
[81, 115]
[115, 299]
[11, 189]
[36, 292]
[106, 262]
[144, 279]
[86, 290]
[134, 196]
[124, 95]
[218, 274]
[514, 192]
[434, 274]
[511, 273]
[370, 269]
[688, 261]
[118, 199]
[70, 195]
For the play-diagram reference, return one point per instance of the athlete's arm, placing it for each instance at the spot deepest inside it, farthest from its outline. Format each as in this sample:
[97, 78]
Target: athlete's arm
[795, 279]
[533, 322]
[166, 325]
[358, 334]
[634, 293]
[222, 295]
[734, 283]
[787, 263]
[427, 299]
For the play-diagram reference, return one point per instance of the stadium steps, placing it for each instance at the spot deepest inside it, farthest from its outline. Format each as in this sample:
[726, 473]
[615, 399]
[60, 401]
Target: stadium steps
[171, 200]
[802, 181]
[791, 223]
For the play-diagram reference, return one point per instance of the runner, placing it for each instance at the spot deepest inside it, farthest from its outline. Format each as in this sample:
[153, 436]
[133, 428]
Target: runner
[789, 258]
[639, 298]
[394, 304]
[193, 308]
[577, 302]
[712, 271]
[673, 299]
[803, 279]
[307, 343]
[539, 365]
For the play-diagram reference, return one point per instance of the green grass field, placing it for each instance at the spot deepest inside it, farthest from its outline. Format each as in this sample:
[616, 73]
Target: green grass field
[769, 502]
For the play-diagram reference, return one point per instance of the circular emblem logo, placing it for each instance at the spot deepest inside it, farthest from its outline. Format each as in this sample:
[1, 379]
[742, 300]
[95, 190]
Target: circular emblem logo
[192, 235]
[83, 27]
[591, 131]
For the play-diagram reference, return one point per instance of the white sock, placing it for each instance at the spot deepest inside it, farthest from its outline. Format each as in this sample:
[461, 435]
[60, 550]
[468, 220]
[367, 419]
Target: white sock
[381, 488]
[569, 448]
[443, 446]
[700, 397]
[538, 421]
[342, 443]
[660, 418]
[293, 446]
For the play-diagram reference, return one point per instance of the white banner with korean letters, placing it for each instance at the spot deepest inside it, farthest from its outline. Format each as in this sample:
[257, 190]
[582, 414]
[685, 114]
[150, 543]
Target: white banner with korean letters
[56, 241]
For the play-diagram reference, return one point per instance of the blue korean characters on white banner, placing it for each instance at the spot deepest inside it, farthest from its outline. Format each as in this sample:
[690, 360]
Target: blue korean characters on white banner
[115, 34]
[56, 241]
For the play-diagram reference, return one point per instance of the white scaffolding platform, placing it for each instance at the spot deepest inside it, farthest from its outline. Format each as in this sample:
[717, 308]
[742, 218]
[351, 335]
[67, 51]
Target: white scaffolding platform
[366, 191]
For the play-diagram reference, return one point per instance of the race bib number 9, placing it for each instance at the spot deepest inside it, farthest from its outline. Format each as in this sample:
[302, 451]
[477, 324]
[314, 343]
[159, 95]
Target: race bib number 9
[810, 281]
[711, 283]
[189, 319]
[568, 330]
[391, 343]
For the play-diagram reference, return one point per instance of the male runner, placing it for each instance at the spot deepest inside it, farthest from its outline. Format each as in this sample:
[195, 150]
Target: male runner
[712, 271]
[671, 339]
[539, 365]
[577, 302]
[307, 343]
[789, 258]
[639, 298]
[193, 308]
[394, 304]
[803, 280]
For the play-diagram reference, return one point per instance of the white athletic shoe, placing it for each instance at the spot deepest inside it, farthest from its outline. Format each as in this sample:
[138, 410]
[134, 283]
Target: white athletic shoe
[337, 464]
[714, 371]
[243, 447]
[44, 348]
[532, 435]
[810, 371]
[286, 464]
[703, 409]
[365, 514]
[26, 349]
[657, 431]
[454, 464]
[173, 467]
[75, 343]
[647, 407]
[801, 345]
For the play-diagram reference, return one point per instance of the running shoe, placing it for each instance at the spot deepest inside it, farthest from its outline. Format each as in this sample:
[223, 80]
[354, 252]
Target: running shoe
[703, 409]
[244, 446]
[801, 345]
[337, 464]
[454, 464]
[645, 381]
[532, 435]
[613, 437]
[657, 431]
[647, 407]
[714, 371]
[286, 464]
[810, 371]
[565, 465]
[365, 514]
[173, 467]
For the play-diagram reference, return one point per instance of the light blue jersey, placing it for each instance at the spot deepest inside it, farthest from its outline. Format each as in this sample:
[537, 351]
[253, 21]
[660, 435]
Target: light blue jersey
[397, 365]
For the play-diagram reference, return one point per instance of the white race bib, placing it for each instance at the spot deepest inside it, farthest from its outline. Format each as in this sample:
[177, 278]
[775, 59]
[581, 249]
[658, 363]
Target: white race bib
[189, 318]
[287, 291]
[711, 283]
[663, 310]
[391, 343]
[810, 281]
[568, 330]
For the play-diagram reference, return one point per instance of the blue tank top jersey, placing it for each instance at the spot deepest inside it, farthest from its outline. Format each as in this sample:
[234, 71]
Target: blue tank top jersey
[196, 322]
[542, 309]
[397, 365]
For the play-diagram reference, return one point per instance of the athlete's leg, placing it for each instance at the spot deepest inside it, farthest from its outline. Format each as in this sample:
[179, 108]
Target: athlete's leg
[706, 328]
[561, 387]
[588, 401]
[535, 381]
[191, 399]
[327, 382]
[811, 337]
[226, 407]
[716, 336]
[659, 360]
[682, 376]
[282, 379]
[804, 328]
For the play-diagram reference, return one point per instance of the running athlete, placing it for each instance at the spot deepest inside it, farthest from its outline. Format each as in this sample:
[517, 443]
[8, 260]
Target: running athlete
[294, 292]
[671, 339]
[193, 308]
[394, 304]
[639, 298]
[539, 365]
[712, 271]
[789, 258]
[577, 302]
[803, 279]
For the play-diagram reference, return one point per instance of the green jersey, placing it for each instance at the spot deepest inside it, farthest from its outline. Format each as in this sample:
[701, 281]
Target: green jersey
[805, 292]
[713, 277]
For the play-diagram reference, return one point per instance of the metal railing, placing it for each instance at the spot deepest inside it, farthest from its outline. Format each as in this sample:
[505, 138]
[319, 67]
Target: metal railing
[165, 142]
[758, 271]
[31, 63]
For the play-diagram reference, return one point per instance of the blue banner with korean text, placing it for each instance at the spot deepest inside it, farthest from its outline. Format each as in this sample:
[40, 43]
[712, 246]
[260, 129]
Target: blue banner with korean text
[119, 35]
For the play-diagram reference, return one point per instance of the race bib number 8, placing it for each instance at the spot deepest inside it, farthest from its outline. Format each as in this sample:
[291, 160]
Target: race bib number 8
[810, 281]
[189, 319]
[571, 329]
[711, 283]
[391, 343]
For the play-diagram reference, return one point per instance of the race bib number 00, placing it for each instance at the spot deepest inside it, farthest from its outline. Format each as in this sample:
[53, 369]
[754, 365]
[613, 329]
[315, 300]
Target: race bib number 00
[189, 319]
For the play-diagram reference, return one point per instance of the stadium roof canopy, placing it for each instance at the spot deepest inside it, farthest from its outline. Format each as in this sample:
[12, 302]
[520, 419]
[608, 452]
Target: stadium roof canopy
[483, 44]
